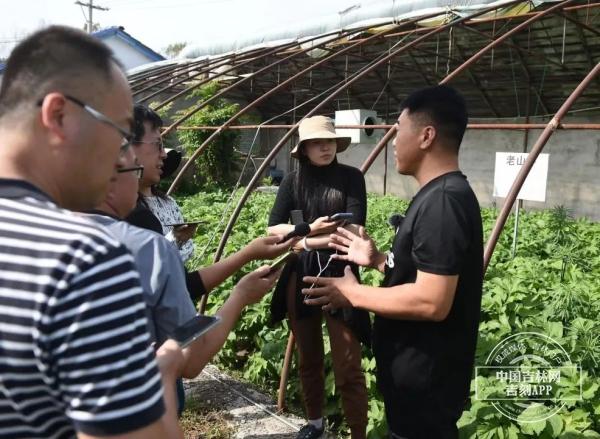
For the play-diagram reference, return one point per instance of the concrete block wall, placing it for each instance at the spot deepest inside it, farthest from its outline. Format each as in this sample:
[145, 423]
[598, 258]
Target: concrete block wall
[573, 175]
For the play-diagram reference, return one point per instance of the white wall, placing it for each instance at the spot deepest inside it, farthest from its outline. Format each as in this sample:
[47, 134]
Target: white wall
[125, 53]
[573, 175]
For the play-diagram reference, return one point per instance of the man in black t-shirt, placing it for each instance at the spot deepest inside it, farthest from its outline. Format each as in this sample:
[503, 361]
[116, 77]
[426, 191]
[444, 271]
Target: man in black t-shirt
[427, 310]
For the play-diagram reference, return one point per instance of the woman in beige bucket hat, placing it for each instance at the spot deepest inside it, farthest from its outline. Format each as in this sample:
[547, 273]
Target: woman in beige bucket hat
[319, 127]
[320, 188]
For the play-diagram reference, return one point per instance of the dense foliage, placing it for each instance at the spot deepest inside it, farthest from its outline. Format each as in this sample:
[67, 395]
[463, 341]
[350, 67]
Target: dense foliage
[551, 286]
[216, 165]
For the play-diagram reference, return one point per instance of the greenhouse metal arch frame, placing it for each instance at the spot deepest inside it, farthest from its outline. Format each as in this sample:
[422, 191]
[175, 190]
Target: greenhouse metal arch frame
[273, 57]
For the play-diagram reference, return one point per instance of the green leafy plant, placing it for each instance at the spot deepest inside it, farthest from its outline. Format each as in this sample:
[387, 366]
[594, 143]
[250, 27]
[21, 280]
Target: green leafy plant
[216, 164]
[560, 224]
[532, 292]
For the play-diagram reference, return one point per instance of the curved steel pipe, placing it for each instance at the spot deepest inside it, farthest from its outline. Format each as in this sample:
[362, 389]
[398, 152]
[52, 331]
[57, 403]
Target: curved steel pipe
[535, 152]
[139, 76]
[471, 126]
[249, 56]
[275, 50]
[203, 66]
[388, 135]
[347, 84]
[199, 84]
[258, 100]
[210, 65]
[207, 71]
[176, 66]
[159, 75]
[285, 372]
[277, 88]
[375, 152]
[474, 58]
[275, 150]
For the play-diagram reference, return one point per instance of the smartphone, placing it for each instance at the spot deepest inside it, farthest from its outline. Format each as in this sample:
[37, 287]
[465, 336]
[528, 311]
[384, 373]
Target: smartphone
[187, 223]
[279, 262]
[341, 216]
[194, 328]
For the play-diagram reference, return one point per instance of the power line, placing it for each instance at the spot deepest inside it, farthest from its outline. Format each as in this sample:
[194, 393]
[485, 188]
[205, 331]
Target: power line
[83, 13]
[91, 7]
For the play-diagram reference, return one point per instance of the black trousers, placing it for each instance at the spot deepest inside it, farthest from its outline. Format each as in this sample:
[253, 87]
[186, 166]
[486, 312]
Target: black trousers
[429, 428]
[418, 403]
[420, 417]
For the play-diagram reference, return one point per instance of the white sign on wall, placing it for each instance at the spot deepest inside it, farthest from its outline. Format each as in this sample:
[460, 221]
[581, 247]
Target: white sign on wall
[508, 165]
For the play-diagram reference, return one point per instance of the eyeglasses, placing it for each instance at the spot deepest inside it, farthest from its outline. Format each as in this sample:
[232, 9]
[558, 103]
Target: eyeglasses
[158, 143]
[139, 171]
[127, 136]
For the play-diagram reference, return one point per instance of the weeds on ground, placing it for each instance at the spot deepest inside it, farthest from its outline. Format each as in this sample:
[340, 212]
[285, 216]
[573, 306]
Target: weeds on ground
[199, 420]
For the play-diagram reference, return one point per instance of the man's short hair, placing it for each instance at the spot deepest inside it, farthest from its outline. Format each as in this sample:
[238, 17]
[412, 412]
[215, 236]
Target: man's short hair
[141, 114]
[444, 108]
[57, 58]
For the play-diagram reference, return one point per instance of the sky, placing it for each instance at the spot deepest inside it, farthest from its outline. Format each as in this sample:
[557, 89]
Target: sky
[158, 23]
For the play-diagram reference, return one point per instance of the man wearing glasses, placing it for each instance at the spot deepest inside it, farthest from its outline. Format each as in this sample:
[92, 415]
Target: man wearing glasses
[163, 276]
[150, 151]
[74, 343]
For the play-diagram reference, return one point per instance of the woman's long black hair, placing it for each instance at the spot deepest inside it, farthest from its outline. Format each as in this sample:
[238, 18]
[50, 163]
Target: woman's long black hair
[319, 189]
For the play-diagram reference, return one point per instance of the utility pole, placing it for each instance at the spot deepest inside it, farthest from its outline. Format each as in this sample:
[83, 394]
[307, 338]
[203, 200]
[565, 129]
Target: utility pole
[91, 7]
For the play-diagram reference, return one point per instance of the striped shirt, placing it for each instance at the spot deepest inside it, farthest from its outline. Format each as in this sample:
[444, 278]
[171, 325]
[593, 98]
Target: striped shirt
[74, 343]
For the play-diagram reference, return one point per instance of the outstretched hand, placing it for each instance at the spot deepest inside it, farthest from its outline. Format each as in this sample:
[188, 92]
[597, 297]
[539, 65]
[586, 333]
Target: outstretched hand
[323, 225]
[170, 359]
[330, 293]
[184, 232]
[358, 248]
[253, 286]
[268, 247]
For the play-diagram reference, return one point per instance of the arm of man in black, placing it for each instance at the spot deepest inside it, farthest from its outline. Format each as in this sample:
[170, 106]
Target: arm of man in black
[441, 238]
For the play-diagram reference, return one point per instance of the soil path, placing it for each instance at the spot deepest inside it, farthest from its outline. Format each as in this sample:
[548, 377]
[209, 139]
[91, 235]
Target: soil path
[252, 414]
